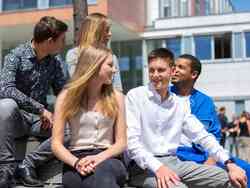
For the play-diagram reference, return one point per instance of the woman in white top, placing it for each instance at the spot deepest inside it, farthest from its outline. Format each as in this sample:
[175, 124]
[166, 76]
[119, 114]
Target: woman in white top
[95, 113]
[95, 29]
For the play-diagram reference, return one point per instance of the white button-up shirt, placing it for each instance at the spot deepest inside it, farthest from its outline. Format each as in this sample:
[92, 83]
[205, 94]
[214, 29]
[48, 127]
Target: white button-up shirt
[155, 128]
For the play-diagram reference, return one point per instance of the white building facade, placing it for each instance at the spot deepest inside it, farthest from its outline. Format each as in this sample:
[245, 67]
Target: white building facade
[211, 31]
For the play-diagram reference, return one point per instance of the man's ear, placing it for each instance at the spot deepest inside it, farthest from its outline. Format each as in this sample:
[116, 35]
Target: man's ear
[50, 40]
[195, 75]
[172, 70]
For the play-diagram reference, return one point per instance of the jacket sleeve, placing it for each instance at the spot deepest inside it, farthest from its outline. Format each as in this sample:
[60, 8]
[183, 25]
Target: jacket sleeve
[208, 117]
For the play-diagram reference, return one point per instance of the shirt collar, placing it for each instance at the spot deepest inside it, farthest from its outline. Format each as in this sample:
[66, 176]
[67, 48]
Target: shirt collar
[153, 94]
[30, 52]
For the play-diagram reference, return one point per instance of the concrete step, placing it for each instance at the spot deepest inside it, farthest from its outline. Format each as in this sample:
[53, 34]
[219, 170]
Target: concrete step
[51, 173]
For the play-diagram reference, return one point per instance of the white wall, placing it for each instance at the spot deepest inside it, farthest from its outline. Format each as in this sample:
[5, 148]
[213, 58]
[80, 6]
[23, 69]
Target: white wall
[153, 11]
[225, 79]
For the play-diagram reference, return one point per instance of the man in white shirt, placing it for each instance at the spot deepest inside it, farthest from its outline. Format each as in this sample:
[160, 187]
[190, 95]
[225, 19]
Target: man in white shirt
[156, 119]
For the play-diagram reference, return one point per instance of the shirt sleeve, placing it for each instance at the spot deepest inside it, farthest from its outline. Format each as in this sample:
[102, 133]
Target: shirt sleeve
[137, 150]
[9, 89]
[60, 76]
[71, 59]
[194, 129]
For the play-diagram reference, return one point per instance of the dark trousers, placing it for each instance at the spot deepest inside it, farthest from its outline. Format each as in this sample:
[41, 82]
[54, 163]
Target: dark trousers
[111, 173]
[15, 123]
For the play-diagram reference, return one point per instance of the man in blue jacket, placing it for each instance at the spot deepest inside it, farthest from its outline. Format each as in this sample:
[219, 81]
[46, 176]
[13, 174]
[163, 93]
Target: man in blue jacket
[186, 72]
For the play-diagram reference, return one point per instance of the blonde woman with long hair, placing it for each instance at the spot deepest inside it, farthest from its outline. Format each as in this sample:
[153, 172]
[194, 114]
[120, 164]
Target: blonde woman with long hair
[95, 113]
[95, 30]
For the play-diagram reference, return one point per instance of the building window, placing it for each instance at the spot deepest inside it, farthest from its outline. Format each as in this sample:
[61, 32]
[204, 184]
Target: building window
[239, 107]
[202, 7]
[198, 7]
[247, 42]
[203, 47]
[59, 2]
[130, 62]
[67, 2]
[222, 45]
[92, 2]
[154, 44]
[19, 4]
[184, 8]
[174, 44]
[238, 45]
[166, 8]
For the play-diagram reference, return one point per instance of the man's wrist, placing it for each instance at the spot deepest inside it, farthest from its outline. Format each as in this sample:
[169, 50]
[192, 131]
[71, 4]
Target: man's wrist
[229, 162]
[40, 111]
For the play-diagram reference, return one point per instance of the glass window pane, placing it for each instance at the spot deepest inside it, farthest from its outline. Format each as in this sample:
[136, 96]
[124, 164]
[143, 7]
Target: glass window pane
[153, 44]
[59, 2]
[19, 4]
[247, 38]
[129, 55]
[239, 107]
[174, 44]
[187, 45]
[29, 3]
[238, 50]
[90, 2]
[222, 46]
[203, 47]
[11, 4]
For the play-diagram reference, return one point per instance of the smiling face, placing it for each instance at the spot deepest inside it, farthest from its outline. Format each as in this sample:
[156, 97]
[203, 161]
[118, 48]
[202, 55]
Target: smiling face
[107, 70]
[182, 72]
[159, 73]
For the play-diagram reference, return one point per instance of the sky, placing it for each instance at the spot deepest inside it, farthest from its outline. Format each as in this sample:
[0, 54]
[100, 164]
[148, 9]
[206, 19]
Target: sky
[241, 5]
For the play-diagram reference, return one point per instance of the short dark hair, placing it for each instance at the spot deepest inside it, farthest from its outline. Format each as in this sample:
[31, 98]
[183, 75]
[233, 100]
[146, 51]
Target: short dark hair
[195, 62]
[48, 27]
[162, 53]
[222, 109]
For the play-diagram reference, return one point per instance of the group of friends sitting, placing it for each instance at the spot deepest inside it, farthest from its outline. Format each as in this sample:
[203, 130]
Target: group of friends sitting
[163, 134]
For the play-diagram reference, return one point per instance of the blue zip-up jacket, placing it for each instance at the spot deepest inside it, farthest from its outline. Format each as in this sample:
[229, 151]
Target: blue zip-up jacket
[202, 106]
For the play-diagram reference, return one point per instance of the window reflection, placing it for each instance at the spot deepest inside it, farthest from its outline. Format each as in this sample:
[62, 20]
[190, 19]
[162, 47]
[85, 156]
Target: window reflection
[203, 47]
[19, 4]
[247, 39]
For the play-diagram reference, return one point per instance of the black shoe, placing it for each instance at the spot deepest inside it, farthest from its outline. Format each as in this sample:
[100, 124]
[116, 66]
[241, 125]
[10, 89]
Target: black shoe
[5, 179]
[28, 177]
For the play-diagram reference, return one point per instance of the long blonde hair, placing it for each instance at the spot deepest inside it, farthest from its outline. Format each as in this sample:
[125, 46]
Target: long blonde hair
[89, 63]
[92, 30]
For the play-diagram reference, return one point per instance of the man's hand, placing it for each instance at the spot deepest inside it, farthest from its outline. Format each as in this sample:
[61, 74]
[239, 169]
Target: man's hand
[237, 175]
[47, 119]
[166, 177]
[210, 161]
